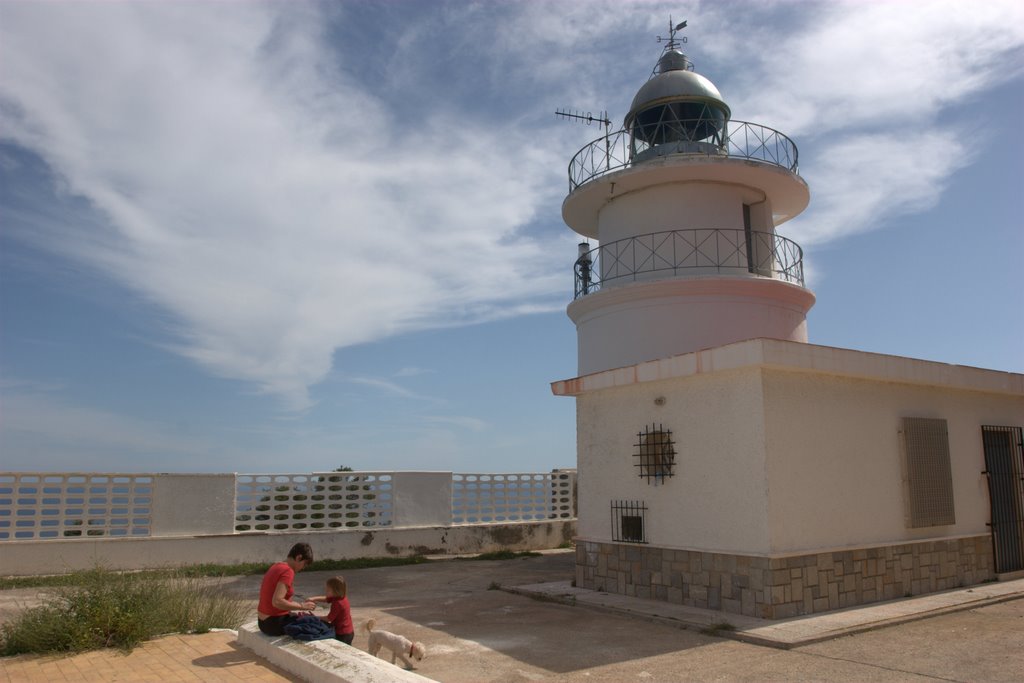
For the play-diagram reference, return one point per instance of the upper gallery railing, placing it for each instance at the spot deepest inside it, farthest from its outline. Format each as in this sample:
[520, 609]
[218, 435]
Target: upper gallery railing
[694, 251]
[738, 139]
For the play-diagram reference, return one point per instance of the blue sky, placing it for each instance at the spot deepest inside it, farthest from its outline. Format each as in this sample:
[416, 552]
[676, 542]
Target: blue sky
[282, 237]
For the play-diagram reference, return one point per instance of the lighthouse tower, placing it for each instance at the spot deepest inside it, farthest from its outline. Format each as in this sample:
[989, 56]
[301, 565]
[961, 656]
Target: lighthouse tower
[723, 461]
[684, 202]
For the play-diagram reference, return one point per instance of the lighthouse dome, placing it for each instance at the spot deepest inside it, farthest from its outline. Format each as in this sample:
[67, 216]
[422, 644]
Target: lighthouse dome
[677, 106]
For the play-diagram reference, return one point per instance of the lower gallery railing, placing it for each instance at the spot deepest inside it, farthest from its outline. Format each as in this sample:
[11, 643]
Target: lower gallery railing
[68, 506]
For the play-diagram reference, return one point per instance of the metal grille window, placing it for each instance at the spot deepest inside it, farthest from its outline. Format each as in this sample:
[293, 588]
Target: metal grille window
[1004, 466]
[928, 476]
[655, 454]
[628, 518]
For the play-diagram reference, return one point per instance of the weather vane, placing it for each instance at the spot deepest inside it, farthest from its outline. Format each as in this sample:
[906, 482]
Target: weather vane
[672, 30]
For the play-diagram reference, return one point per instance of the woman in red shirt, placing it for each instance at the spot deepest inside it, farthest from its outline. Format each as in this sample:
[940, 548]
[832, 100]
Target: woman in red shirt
[276, 591]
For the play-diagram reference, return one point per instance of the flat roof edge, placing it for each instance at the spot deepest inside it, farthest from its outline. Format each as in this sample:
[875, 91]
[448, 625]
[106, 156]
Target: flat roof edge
[799, 357]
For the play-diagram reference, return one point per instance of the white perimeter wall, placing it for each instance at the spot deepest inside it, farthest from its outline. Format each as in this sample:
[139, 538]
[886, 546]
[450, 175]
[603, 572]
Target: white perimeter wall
[194, 503]
[27, 558]
[718, 499]
[834, 457]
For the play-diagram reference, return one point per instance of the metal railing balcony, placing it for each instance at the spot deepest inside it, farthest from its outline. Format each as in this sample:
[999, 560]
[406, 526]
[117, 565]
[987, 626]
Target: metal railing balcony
[692, 252]
[738, 139]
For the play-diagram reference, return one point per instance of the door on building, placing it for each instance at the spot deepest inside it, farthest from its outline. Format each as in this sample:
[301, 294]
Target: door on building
[1004, 465]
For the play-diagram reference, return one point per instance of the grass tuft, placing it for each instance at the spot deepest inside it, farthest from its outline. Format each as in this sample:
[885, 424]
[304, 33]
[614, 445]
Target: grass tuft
[715, 629]
[501, 555]
[100, 608]
[214, 570]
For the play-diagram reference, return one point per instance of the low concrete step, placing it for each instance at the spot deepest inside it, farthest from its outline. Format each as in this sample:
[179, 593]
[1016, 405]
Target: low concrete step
[323, 661]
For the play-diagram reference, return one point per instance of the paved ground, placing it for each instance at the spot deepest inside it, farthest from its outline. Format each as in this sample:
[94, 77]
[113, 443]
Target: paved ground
[171, 659]
[782, 633]
[474, 634]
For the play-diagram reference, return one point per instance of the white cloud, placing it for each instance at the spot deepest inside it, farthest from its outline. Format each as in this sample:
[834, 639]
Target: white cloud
[474, 424]
[261, 187]
[260, 194]
[860, 87]
[387, 387]
[885, 64]
[859, 179]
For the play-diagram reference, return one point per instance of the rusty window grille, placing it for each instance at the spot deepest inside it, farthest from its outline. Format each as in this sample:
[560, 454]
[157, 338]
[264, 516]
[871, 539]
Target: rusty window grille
[628, 517]
[655, 454]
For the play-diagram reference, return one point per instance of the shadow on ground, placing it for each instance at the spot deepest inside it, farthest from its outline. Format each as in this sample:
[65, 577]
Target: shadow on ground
[452, 609]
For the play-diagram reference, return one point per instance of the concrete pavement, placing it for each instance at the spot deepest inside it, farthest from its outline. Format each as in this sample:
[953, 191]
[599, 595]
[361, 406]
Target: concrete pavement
[475, 633]
[782, 633]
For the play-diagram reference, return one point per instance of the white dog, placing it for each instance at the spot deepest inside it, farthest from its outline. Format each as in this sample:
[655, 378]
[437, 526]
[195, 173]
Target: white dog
[400, 646]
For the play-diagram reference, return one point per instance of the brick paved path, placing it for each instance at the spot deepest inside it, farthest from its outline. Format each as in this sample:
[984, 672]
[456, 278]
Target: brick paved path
[171, 659]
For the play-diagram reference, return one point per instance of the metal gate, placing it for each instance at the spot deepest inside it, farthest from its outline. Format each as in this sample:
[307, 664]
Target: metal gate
[1004, 465]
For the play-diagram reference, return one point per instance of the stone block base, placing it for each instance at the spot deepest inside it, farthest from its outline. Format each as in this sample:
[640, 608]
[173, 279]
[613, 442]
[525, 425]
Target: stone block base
[783, 586]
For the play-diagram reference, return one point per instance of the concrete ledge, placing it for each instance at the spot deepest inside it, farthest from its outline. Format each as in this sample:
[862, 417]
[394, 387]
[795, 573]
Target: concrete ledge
[779, 633]
[323, 661]
[797, 356]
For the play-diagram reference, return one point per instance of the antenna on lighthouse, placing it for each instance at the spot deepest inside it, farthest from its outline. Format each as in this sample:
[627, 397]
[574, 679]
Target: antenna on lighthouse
[587, 118]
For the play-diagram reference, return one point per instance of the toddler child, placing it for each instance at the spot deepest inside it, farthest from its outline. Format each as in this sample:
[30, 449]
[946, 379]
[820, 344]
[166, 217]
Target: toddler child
[340, 615]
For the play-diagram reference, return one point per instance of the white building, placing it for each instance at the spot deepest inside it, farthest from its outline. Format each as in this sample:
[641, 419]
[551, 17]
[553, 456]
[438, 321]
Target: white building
[723, 461]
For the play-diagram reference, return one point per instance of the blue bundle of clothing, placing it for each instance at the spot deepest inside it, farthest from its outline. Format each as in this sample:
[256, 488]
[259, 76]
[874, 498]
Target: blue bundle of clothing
[309, 627]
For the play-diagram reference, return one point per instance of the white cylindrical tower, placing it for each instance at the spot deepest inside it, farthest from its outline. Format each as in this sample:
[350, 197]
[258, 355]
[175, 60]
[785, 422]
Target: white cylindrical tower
[684, 202]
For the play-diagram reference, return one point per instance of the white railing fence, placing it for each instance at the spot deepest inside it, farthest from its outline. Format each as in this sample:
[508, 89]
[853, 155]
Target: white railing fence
[74, 505]
[68, 506]
[489, 498]
[332, 500]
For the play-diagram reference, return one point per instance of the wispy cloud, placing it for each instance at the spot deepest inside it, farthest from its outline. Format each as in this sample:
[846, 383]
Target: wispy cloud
[388, 387]
[862, 87]
[412, 372]
[280, 199]
[259, 193]
[461, 421]
[857, 178]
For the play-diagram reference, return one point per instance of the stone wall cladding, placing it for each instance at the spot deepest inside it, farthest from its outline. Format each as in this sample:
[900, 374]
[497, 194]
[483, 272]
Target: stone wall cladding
[779, 587]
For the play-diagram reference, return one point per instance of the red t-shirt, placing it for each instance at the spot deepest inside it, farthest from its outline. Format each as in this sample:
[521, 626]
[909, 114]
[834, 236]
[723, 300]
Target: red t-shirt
[340, 616]
[277, 573]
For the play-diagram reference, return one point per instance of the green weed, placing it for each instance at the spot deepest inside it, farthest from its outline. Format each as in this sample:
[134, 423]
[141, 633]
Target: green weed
[501, 555]
[100, 608]
[214, 570]
[716, 629]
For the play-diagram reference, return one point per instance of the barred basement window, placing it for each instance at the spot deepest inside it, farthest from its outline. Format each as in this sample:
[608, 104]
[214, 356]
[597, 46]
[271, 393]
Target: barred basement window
[927, 473]
[628, 521]
[655, 455]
